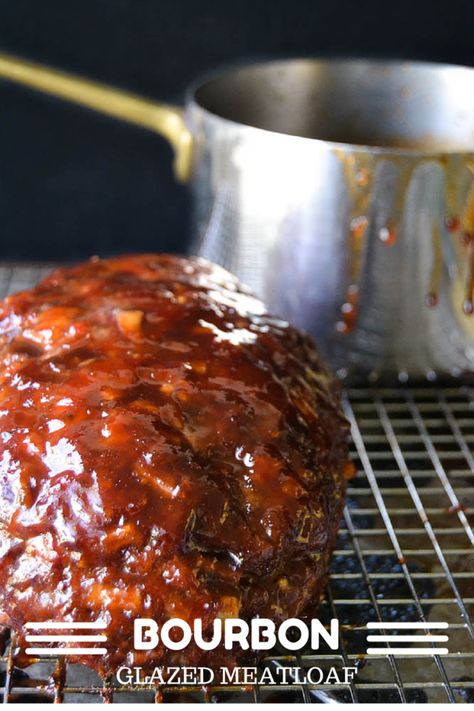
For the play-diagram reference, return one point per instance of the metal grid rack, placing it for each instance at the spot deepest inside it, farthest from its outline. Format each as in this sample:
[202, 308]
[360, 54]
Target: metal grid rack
[405, 553]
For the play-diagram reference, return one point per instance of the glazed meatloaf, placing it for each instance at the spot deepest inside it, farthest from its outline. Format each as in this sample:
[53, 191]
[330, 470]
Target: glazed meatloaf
[168, 449]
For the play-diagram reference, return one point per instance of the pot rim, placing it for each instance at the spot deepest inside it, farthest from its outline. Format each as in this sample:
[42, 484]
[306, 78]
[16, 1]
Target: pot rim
[191, 100]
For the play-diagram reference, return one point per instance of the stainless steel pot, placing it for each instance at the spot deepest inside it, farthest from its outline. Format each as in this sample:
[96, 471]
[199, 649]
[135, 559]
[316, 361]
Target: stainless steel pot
[341, 191]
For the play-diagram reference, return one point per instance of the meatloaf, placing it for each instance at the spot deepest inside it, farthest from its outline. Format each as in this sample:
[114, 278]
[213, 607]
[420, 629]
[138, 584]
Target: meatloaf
[168, 449]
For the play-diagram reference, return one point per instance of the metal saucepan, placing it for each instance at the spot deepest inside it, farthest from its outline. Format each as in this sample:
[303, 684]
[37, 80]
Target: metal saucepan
[341, 191]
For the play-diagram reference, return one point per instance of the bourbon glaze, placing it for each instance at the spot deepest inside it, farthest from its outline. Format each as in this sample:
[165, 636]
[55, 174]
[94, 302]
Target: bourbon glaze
[360, 172]
[168, 449]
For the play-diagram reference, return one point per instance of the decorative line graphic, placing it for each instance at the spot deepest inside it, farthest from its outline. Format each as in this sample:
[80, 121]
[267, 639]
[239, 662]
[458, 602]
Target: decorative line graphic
[417, 638]
[63, 626]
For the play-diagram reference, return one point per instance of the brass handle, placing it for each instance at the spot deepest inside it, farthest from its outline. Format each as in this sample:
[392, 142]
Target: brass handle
[164, 119]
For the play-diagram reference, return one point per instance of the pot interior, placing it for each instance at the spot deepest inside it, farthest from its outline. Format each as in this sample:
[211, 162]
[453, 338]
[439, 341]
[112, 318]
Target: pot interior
[410, 106]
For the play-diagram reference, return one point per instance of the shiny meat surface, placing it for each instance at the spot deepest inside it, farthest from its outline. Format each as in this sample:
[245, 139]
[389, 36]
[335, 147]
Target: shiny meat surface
[168, 449]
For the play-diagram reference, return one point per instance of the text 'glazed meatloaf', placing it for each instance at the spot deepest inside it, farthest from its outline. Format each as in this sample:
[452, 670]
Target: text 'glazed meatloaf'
[168, 449]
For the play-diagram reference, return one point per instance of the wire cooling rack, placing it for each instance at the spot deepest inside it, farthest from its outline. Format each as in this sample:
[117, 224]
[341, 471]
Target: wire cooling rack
[405, 553]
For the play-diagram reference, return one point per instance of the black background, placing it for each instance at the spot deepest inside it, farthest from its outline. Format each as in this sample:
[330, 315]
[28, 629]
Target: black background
[73, 183]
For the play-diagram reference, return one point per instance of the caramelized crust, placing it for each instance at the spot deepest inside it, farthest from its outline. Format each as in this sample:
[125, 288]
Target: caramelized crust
[168, 449]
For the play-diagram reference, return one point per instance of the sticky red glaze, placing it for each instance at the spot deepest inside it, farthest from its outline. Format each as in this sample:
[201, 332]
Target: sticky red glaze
[167, 450]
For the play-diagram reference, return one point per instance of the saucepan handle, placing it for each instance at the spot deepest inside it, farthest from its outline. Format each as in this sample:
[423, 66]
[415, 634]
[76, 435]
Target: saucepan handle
[165, 119]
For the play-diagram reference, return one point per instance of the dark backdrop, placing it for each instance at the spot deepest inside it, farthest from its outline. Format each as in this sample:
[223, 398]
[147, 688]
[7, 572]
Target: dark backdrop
[73, 183]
